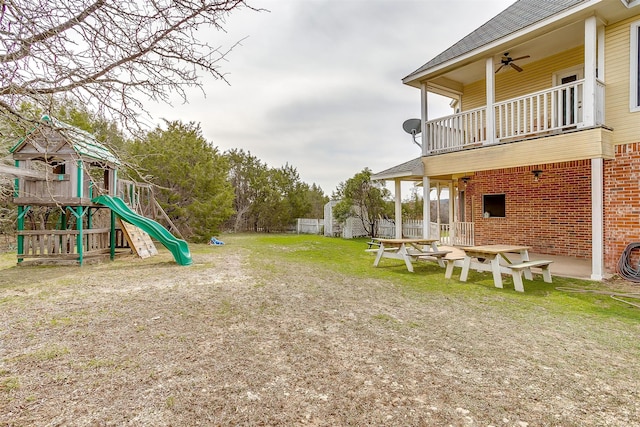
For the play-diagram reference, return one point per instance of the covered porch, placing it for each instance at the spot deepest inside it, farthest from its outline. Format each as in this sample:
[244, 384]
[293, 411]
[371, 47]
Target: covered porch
[544, 83]
[538, 220]
[447, 224]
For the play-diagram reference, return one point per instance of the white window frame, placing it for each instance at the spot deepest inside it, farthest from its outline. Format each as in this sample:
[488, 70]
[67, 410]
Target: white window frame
[630, 3]
[634, 56]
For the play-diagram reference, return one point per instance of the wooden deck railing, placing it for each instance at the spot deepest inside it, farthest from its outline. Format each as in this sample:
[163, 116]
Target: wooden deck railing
[63, 244]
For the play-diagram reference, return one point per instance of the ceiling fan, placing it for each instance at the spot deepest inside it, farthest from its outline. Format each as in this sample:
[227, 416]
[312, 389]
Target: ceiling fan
[507, 61]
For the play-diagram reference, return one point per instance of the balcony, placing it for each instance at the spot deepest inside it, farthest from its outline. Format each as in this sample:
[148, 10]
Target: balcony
[547, 112]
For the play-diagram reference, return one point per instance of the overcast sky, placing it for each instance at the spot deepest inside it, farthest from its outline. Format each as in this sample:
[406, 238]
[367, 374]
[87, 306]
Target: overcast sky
[317, 83]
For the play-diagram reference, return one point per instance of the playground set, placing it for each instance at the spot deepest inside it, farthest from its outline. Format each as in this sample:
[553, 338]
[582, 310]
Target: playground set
[73, 207]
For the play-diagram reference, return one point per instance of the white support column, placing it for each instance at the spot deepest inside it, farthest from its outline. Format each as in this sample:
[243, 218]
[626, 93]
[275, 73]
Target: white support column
[491, 99]
[438, 192]
[424, 101]
[438, 221]
[597, 219]
[600, 51]
[452, 220]
[398, 212]
[590, 64]
[426, 208]
[600, 111]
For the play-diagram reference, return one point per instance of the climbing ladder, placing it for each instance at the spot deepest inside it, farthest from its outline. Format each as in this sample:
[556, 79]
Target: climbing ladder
[139, 240]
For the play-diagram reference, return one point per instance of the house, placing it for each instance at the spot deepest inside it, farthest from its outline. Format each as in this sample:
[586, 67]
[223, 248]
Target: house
[543, 144]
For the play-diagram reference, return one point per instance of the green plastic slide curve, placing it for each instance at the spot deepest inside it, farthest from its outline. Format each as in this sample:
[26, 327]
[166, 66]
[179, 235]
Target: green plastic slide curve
[177, 247]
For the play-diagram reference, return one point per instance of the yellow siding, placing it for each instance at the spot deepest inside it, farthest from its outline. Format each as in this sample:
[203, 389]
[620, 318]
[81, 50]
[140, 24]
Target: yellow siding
[474, 95]
[626, 125]
[537, 75]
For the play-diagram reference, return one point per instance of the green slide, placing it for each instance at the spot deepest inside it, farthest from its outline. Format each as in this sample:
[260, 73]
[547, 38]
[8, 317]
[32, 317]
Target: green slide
[178, 247]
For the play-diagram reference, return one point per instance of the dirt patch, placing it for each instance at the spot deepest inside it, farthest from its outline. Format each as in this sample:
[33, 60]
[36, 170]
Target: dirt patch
[234, 341]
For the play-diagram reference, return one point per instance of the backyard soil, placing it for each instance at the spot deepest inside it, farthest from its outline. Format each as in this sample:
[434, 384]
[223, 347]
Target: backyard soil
[236, 340]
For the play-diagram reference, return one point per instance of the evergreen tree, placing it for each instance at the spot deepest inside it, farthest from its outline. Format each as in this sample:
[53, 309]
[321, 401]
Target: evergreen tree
[191, 175]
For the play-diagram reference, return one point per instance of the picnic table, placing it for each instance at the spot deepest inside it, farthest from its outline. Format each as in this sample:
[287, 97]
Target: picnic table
[409, 250]
[476, 257]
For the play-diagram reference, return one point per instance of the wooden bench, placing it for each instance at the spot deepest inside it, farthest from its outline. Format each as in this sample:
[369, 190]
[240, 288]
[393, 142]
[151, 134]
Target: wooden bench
[377, 249]
[437, 255]
[517, 269]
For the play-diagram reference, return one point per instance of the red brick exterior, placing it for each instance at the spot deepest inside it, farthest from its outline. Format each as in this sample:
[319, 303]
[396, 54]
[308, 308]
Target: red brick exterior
[621, 202]
[552, 214]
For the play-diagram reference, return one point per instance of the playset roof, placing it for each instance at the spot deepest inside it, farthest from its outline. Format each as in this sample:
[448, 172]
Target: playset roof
[83, 143]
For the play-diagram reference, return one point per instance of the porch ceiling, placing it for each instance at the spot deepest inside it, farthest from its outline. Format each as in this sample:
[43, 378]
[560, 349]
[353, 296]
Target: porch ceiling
[548, 44]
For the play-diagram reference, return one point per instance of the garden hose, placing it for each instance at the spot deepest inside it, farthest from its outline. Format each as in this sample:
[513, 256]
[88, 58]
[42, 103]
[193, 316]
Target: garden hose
[624, 269]
[615, 295]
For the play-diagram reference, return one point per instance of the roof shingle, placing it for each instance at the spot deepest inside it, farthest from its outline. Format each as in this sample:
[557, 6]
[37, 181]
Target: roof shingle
[519, 15]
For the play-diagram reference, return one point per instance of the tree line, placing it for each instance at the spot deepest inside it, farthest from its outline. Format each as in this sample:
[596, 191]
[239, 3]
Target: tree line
[203, 190]
[110, 58]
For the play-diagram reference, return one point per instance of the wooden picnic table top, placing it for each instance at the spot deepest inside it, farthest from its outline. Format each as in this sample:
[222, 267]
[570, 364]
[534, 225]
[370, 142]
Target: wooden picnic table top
[411, 240]
[496, 249]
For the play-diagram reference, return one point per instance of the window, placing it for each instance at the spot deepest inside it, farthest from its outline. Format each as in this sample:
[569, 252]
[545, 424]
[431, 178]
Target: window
[634, 75]
[59, 168]
[493, 205]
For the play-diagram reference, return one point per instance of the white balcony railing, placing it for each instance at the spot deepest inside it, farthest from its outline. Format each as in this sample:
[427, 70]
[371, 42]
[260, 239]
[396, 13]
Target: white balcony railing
[457, 131]
[538, 113]
[456, 234]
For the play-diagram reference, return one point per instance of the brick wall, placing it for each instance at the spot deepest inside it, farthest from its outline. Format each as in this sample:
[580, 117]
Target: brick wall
[621, 202]
[552, 215]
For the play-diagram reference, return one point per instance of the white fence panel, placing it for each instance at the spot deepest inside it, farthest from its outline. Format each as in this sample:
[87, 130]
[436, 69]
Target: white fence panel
[331, 227]
[310, 226]
[353, 228]
[386, 229]
[456, 234]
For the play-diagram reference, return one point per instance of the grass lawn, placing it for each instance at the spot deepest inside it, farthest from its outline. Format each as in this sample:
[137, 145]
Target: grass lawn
[303, 330]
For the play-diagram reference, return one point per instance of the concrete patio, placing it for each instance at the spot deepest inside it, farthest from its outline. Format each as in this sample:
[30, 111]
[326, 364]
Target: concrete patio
[563, 266]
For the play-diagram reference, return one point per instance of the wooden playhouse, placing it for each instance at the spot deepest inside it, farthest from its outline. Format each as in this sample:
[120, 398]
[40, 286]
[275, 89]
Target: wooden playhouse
[61, 175]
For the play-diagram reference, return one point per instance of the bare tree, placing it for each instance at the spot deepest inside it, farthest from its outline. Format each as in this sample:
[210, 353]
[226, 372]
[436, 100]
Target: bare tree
[112, 55]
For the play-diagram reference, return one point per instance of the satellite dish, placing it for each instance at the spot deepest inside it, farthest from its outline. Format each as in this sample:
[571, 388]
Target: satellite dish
[414, 127]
